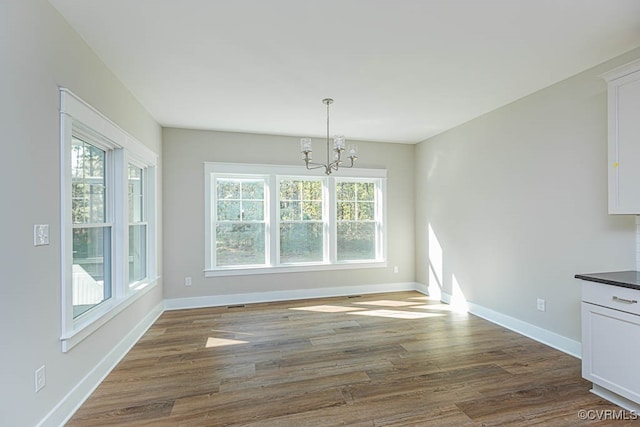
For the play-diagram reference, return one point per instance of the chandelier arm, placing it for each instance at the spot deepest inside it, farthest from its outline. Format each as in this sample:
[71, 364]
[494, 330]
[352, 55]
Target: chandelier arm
[315, 165]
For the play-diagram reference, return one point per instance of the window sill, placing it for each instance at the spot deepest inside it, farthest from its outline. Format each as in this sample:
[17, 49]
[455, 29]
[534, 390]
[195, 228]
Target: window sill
[239, 271]
[100, 315]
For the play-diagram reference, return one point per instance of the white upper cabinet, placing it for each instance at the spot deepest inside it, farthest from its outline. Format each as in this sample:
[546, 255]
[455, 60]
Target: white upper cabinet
[624, 138]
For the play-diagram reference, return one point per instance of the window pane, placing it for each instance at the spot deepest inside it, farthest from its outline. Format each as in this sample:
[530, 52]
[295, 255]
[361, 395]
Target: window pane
[312, 211]
[240, 244]
[253, 211]
[135, 194]
[87, 183]
[253, 190]
[290, 211]
[366, 211]
[137, 252]
[346, 191]
[311, 190]
[289, 190]
[301, 242]
[91, 277]
[228, 188]
[366, 191]
[356, 241]
[229, 210]
[346, 211]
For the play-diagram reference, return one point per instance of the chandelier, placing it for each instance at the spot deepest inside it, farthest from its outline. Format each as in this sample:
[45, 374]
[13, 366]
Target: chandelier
[338, 147]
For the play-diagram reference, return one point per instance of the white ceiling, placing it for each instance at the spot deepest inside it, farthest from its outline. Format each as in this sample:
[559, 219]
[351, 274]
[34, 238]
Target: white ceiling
[399, 71]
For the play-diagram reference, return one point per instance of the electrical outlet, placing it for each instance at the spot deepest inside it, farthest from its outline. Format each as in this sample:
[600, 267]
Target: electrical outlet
[187, 281]
[395, 269]
[41, 378]
[542, 305]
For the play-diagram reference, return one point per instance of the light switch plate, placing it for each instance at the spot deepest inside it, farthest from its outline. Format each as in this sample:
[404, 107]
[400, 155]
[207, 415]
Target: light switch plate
[40, 234]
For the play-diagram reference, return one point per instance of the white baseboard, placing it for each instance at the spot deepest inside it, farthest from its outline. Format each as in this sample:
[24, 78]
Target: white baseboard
[65, 409]
[289, 295]
[557, 341]
[623, 402]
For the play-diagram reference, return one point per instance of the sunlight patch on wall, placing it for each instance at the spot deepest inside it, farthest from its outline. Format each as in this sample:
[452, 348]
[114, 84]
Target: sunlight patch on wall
[458, 300]
[435, 264]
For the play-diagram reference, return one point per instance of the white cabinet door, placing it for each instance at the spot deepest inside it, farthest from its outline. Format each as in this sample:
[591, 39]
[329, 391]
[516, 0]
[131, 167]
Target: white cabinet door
[624, 139]
[611, 350]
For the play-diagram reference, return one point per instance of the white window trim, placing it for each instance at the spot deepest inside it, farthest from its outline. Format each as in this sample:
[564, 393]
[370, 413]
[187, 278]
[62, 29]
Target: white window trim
[76, 114]
[278, 171]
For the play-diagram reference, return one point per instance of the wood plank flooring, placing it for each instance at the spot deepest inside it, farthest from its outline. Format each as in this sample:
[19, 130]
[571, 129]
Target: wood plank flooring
[384, 359]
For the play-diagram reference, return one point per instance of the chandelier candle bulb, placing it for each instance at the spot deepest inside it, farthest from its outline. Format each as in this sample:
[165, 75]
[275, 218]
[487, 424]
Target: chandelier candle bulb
[305, 145]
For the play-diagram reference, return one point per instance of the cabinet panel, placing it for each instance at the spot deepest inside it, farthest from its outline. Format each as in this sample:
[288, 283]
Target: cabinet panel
[624, 139]
[611, 347]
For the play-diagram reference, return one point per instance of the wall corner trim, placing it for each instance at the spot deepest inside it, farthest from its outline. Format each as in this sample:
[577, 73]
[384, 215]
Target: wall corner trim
[544, 336]
[65, 409]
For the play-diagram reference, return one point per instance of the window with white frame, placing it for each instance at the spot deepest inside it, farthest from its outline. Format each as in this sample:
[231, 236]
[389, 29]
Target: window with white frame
[302, 225]
[92, 227]
[266, 218]
[108, 219]
[137, 224]
[240, 223]
[358, 219]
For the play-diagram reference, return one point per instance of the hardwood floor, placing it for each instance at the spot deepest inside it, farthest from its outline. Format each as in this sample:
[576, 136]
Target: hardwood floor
[384, 359]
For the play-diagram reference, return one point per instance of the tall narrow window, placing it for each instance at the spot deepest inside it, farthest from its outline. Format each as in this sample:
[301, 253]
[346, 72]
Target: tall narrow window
[357, 220]
[240, 224]
[302, 227]
[92, 231]
[108, 193]
[137, 225]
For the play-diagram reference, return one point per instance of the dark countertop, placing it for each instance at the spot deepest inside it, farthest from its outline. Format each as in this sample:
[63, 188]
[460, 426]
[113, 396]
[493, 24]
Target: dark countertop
[625, 279]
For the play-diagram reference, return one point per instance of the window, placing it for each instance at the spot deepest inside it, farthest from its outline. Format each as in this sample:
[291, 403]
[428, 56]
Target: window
[92, 230]
[265, 218]
[240, 221]
[358, 220]
[137, 225]
[302, 225]
[108, 219]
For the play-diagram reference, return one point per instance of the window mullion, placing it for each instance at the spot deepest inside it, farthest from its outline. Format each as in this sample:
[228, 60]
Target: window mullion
[119, 207]
[330, 223]
[271, 216]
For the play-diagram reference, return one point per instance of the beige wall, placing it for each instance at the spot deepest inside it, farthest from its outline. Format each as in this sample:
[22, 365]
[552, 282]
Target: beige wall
[517, 201]
[185, 152]
[38, 53]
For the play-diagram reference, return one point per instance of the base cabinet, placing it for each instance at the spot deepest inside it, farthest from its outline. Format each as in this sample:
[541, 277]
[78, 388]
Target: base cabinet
[611, 342]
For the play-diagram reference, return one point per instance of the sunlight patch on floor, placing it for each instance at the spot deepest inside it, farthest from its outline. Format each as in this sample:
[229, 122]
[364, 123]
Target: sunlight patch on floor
[388, 303]
[221, 342]
[328, 308]
[395, 314]
[437, 307]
